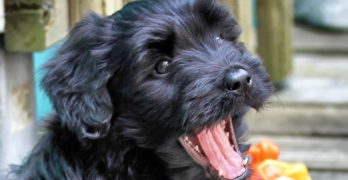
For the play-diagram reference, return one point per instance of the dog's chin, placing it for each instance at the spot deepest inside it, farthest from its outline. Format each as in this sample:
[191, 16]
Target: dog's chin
[215, 148]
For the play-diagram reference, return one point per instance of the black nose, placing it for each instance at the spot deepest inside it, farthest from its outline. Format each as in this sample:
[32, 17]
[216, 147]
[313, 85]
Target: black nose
[237, 81]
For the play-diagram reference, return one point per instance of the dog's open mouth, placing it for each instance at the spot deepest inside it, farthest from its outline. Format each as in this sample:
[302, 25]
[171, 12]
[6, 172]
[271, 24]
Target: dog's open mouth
[216, 147]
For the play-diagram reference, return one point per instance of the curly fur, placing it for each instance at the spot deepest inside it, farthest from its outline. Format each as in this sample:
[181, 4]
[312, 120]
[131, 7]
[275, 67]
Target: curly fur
[116, 118]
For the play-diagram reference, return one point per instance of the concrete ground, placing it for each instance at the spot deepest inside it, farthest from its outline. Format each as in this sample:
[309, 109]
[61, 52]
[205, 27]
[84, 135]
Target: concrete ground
[309, 119]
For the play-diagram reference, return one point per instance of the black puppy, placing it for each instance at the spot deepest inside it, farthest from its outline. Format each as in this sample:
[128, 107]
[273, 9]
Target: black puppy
[156, 91]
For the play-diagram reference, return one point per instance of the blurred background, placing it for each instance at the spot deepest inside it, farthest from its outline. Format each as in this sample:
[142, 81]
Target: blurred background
[304, 44]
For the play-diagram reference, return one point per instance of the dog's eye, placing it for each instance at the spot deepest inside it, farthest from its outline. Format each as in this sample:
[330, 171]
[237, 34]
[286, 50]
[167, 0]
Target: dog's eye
[229, 36]
[218, 39]
[162, 66]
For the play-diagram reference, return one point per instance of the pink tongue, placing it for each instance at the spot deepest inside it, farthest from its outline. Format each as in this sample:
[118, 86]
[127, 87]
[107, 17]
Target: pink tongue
[220, 152]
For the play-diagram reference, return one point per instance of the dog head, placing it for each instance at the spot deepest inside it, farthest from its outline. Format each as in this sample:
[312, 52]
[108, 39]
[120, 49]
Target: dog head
[169, 75]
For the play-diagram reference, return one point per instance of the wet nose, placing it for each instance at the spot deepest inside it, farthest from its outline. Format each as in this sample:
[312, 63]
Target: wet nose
[237, 80]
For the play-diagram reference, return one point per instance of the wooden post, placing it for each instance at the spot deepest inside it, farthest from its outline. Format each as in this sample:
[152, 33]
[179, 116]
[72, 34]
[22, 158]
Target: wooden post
[242, 10]
[126, 1]
[275, 19]
[2, 16]
[110, 6]
[33, 25]
[78, 8]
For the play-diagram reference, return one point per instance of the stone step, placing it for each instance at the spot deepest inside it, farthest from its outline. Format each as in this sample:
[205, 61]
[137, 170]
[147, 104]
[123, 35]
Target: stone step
[299, 120]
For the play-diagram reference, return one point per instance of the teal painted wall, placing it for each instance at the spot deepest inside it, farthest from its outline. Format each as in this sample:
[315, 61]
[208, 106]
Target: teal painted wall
[42, 102]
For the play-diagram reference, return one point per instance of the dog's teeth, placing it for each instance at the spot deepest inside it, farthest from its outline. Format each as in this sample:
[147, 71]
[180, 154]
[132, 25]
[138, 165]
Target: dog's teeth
[227, 134]
[186, 138]
[196, 148]
[224, 124]
[220, 173]
[245, 161]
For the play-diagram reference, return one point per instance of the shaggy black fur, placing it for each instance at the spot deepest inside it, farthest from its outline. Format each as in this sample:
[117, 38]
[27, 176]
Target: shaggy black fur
[119, 113]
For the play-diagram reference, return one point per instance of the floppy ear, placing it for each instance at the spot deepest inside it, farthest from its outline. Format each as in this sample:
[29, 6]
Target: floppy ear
[77, 77]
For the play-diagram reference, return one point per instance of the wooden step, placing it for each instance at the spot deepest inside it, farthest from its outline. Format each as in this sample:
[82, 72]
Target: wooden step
[300, 120]
[329, 175]
[316, 80]
[307, 39]
[326, 158]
